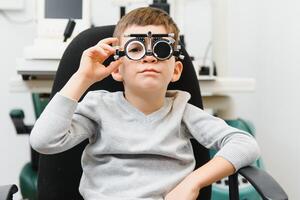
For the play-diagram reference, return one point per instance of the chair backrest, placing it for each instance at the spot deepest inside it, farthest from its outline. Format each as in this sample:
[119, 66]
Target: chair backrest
[59, 174]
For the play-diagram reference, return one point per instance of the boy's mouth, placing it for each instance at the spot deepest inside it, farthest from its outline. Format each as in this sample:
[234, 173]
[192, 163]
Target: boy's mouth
[150, 70]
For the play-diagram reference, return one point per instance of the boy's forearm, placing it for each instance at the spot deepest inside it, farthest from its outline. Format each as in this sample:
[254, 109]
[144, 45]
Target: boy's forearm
[75, 87]
[214, 170]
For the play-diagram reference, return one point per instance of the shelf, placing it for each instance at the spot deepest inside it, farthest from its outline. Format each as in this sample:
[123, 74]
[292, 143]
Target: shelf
[225, 85]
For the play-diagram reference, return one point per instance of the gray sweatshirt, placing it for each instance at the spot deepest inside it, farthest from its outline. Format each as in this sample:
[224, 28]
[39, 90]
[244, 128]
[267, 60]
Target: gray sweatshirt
[130, 155]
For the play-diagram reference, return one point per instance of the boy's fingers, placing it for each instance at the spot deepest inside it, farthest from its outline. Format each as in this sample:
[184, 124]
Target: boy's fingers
[108, 48]
[95, 51]
[104, 49]
[101, 51]
[113, 65]
[108, 41]
[99, 54]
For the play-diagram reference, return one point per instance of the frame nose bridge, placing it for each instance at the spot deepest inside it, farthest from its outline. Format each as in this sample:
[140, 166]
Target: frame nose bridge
[148, 44]
[149, 53]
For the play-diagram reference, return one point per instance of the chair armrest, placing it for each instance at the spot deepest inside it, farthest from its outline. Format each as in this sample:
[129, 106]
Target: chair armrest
[264, 184]
[7, 191]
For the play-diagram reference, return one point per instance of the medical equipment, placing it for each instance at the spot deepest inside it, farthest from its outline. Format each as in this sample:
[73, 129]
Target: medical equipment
[53, 15]
[161, 46]
[52, 19]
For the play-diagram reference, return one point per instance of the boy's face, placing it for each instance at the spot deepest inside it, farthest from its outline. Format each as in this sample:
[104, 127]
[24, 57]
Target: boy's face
[148, 73]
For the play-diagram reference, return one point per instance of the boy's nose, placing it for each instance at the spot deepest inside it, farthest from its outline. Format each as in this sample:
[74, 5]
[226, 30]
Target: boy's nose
[149, 59]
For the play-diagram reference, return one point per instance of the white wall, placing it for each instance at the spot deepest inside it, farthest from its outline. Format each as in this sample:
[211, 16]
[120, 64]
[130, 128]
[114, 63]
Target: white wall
[263, 43]
[14, 150]
[280, 45]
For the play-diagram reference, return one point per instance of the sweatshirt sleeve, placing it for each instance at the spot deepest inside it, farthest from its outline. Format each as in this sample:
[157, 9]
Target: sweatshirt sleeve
[234, 145]
[63, 124]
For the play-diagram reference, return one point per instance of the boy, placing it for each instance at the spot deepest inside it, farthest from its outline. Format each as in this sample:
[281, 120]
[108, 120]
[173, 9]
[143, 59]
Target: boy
[139, 141]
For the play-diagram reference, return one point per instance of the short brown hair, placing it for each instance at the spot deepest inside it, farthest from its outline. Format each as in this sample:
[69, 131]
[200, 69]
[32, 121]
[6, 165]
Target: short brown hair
[147, 16]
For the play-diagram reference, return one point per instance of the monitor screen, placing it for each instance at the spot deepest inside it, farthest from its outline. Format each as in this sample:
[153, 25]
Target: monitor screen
[63, 9]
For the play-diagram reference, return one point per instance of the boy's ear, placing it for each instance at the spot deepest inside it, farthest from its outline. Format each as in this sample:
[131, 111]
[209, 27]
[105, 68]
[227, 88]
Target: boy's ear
[117, 75]
[177, 71]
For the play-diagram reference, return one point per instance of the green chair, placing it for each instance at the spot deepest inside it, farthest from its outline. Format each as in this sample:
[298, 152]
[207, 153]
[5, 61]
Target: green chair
[28, 175]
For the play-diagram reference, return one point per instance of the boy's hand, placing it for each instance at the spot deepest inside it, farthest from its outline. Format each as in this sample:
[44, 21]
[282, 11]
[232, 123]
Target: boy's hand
[185, 190]
[91, 68]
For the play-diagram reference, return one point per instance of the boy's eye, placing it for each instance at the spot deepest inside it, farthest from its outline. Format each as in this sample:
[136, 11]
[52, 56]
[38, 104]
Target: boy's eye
[135, 49]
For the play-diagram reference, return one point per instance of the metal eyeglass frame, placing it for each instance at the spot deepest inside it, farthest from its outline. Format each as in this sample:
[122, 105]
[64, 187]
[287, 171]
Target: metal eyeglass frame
[154, 41]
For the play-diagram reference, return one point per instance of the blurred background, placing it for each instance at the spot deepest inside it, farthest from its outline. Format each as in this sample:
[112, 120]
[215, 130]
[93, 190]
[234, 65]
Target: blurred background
[256, 42]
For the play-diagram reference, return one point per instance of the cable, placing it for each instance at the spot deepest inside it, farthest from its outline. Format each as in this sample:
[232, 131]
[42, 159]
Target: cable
[206, 53]
[69, 29]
